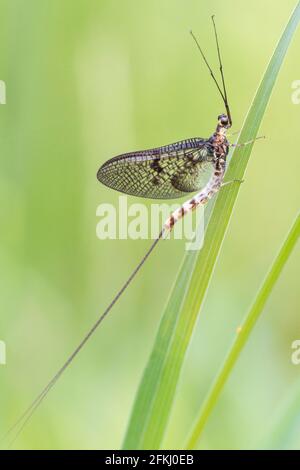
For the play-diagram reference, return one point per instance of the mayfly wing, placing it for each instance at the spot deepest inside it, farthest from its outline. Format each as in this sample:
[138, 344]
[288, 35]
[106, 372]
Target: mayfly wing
[160, 173]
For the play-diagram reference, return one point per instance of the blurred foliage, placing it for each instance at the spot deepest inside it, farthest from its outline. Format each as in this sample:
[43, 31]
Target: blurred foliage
[87, 80]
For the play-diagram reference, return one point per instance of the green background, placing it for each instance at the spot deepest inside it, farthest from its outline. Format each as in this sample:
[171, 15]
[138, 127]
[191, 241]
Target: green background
[88, 80]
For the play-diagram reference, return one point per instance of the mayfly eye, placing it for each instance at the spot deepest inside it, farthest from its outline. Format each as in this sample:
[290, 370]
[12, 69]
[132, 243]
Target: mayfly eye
[223, 119]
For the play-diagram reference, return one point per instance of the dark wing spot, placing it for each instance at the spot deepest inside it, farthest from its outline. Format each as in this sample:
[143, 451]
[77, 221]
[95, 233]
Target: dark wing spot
[155, 165]
[155, 181]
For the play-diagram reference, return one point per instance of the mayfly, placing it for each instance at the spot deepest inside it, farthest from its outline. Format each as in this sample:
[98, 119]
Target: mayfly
[172, 171]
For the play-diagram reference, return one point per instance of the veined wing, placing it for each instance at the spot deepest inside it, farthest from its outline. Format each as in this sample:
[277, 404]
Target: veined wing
[160, 173]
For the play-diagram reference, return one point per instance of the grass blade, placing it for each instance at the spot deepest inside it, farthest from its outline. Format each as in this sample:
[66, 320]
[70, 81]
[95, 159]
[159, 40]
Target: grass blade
[248, 325]
[156, 392]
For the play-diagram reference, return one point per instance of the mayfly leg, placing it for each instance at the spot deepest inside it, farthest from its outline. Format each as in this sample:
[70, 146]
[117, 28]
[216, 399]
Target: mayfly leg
[236, 180]
[230, 134]
[248, 142]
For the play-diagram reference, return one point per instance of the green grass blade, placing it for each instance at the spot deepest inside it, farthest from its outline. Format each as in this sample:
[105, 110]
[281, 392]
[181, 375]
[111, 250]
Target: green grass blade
[156, 392]
[248, 325]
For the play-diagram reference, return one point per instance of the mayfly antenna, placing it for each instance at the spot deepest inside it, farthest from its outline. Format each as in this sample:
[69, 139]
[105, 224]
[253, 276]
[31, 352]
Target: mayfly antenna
[223, 92]
[221, 71]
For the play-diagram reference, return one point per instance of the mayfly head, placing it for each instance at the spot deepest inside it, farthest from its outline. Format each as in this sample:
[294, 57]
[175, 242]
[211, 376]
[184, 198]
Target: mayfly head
[224, 121]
